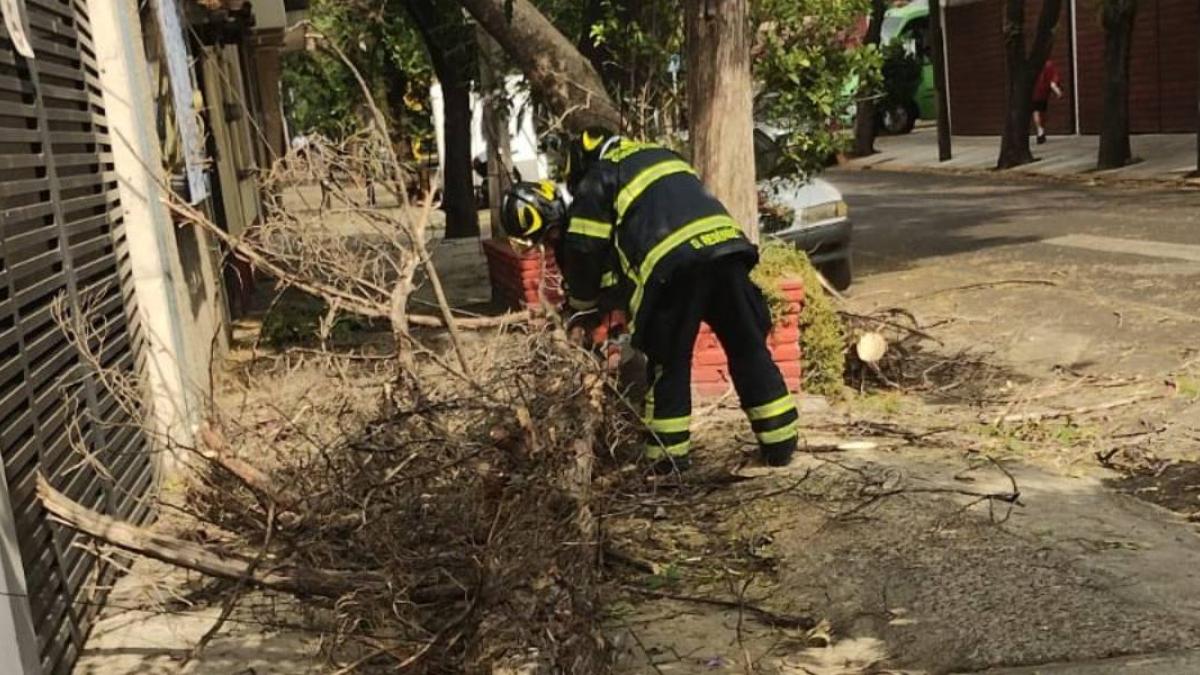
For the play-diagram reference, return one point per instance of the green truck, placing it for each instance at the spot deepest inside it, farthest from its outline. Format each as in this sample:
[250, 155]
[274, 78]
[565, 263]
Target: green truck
[906, 27]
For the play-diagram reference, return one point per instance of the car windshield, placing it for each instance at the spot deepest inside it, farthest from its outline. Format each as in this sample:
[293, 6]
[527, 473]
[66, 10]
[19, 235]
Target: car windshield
[891, 28]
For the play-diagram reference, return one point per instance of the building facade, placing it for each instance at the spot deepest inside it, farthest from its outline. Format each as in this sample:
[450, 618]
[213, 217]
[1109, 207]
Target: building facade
[98, 274]
[1165, 69]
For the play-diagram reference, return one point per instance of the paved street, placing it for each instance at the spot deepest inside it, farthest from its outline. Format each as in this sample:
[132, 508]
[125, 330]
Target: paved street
[1119, 269]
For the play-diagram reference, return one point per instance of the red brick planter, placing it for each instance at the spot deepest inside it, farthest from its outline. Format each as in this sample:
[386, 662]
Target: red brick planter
[517, 277]
[710, 369]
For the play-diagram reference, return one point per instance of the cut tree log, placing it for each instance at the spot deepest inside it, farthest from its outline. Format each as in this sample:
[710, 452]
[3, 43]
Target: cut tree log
[871, 347]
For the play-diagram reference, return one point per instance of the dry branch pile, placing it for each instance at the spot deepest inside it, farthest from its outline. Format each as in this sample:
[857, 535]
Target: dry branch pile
[453, 531]
[461, 521]
[453, 534]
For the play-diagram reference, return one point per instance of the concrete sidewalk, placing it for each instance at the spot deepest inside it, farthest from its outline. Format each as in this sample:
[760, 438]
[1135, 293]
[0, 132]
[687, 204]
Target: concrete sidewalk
[1165, 158]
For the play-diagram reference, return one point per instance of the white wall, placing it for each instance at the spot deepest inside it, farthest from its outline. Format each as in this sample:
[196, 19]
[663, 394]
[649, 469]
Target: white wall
[18, 642]
[522, 131]
[173, 350]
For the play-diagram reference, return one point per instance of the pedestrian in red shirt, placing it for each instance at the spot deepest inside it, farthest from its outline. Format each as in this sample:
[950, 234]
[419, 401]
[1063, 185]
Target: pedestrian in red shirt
[1048, 81]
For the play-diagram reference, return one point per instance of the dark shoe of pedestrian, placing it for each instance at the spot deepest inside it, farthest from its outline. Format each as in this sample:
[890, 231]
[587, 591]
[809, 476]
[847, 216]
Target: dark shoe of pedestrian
[669, 465]
[1041, 138]
[778, 454]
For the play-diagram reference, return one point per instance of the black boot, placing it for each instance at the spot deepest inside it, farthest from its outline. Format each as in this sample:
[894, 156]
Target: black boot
[669, 465]
[778, 454]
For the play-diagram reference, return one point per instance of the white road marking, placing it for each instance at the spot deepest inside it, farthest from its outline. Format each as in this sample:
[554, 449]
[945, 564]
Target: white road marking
[1152, 249]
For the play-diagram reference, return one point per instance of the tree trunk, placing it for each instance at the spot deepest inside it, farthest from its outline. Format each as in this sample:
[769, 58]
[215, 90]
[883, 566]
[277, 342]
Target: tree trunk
[939, 79]
[495, 129]
[462, 219]
[1117, 17]
[450, 43]
[563, 77]
[865, 124]
[721, 105]
[1022, 70]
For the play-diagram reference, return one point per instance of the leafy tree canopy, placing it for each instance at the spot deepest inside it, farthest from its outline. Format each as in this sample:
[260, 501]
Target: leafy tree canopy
[380, 40]
[809, 67]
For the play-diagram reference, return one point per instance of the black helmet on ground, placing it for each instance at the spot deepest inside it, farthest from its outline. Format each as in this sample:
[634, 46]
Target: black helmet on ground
[531, 210]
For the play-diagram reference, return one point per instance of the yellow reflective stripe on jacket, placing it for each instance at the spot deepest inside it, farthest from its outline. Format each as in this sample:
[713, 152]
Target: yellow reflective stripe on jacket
[659, 451]
[645, 179]
[670, 425]
[590, 228]
[608, 280]
[626, 147]
[777, 407]
[662, 248]
[783, 433]
[625, 266]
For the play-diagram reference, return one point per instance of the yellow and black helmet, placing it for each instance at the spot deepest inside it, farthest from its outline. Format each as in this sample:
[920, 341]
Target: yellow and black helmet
[585, 150]
[530, 210]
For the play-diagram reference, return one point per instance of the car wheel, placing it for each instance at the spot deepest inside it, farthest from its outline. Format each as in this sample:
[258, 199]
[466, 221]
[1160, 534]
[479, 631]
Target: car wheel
[839, 273]
[898, 118]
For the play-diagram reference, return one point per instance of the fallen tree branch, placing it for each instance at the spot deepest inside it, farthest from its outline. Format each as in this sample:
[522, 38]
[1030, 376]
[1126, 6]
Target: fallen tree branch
[174, 551]
[479, 322]
[1082, 410]
[893, 324]
[216, 451]
[764, 616]
[988, 284]
[328, 292]
[296, 581]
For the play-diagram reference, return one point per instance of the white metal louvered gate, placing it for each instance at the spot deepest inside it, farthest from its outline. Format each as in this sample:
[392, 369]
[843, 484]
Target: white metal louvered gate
[62, 235]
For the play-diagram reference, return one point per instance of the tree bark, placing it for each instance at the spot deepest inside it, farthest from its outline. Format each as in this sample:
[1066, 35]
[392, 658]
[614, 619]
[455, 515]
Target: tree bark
[458, 197]
[721, 105]
[495, 129]
[865, 124]
[563, 77]
[1117, 17]
[939, 79]
[450, 42]
[1022, 69]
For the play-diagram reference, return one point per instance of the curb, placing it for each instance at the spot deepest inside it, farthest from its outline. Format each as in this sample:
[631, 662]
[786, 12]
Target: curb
[1020, 174]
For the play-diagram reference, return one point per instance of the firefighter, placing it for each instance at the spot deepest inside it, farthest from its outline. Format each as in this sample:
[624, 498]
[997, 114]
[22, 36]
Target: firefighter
[685, 261]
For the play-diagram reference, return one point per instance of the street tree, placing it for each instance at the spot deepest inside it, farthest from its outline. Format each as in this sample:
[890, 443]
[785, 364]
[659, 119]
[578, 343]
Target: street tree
[938, 47]
[1117, 17]
[721, 105]
[636, 47]
[321, 91]
[1021, 70]
[809, 67]
[398, 46]
[452, 49]
[559, 73]
[865, 122]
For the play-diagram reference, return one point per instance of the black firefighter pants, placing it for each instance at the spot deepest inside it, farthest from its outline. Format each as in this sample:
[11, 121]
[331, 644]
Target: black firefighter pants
[721, 294]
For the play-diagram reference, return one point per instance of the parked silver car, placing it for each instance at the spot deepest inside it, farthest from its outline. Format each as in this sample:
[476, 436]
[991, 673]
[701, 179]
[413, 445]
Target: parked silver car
[807, 213]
